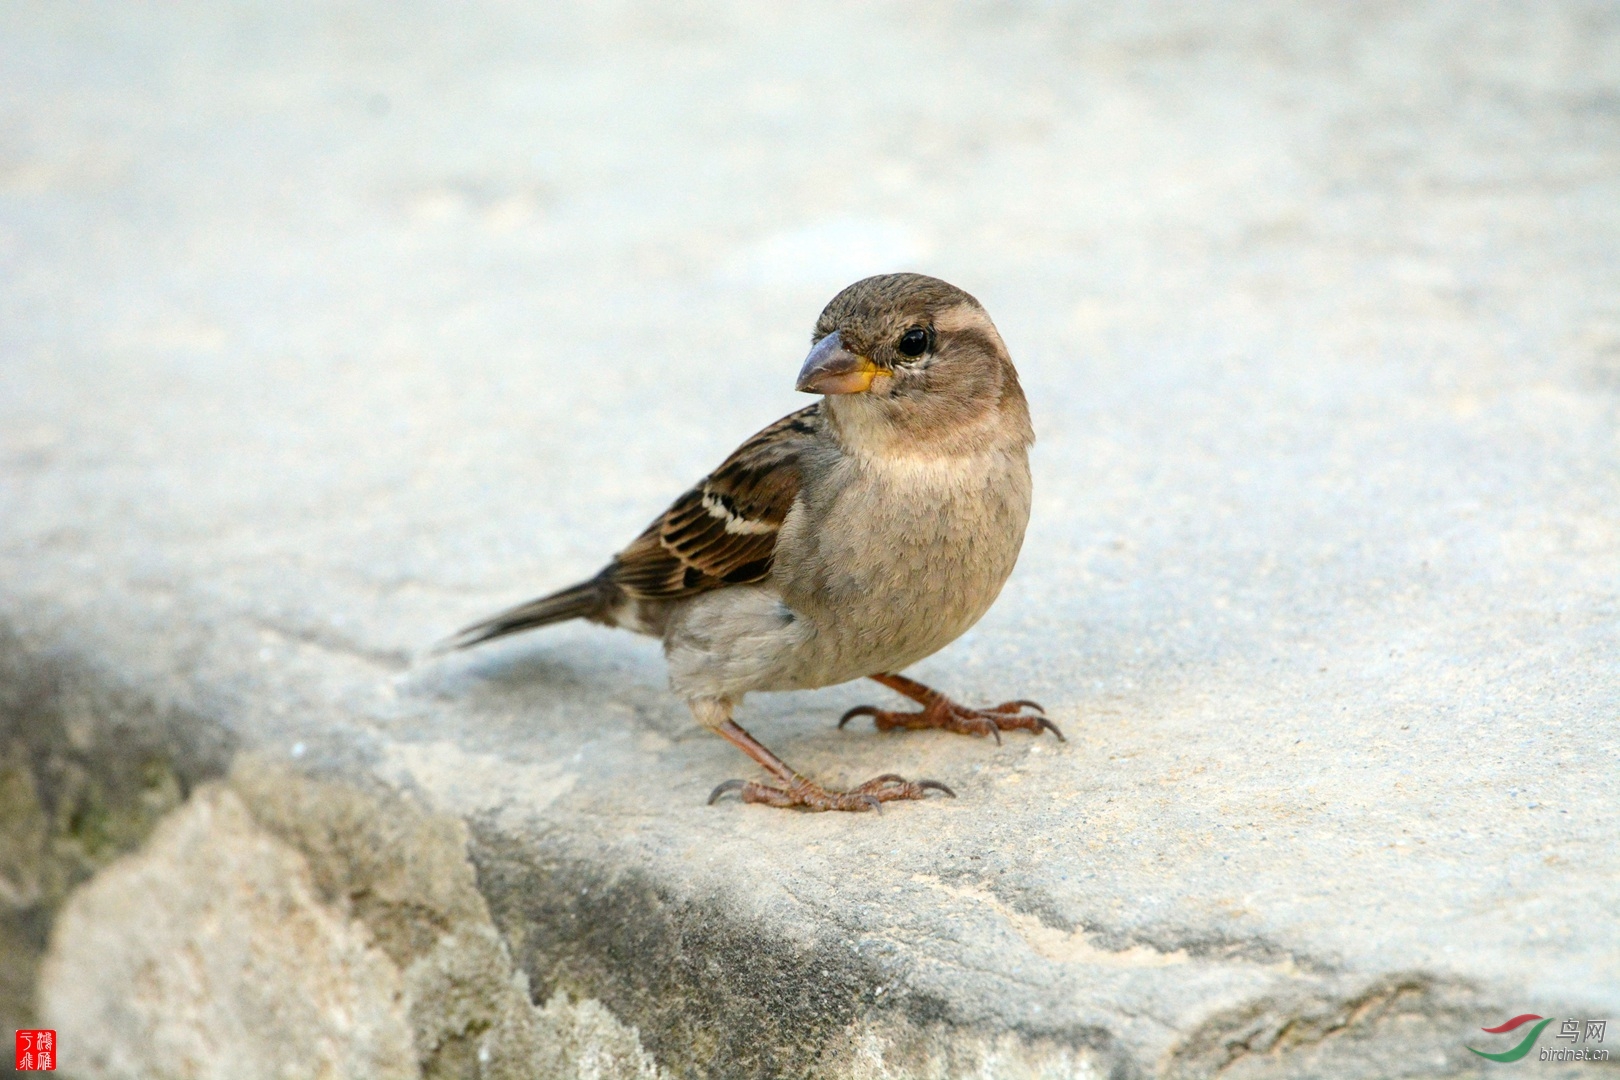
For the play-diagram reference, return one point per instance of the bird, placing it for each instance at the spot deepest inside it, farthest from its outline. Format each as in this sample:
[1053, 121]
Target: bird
[849, 539]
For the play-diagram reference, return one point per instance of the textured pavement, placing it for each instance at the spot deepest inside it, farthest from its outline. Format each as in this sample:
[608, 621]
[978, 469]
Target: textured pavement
[325, 330]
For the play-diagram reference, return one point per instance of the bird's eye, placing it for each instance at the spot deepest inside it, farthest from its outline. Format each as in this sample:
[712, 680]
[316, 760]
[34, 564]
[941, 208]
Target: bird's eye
[913, 342]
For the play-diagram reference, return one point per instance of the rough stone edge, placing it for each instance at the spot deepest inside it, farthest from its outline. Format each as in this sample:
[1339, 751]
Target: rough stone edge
[718, 995]
[88, 766]
[402, 871]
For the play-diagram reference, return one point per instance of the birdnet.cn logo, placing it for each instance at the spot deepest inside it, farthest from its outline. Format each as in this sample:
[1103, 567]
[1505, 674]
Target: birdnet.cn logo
[36, 1051]
[1582, 1036]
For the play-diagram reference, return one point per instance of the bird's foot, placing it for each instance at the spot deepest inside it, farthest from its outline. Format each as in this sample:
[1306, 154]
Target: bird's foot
[812, 796]
[941, 712]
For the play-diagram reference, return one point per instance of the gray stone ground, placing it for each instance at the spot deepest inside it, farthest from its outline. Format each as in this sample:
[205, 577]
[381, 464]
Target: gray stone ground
[327, 328]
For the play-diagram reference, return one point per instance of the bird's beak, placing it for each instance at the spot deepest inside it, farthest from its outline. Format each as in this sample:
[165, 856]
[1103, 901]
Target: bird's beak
[832, 369]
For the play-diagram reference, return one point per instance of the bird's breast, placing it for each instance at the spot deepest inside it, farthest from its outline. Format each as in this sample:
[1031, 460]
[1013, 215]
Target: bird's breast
[892, 558]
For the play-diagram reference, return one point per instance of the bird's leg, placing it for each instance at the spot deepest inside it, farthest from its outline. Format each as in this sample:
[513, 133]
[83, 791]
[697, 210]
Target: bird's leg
[939, 711]
[796, 790]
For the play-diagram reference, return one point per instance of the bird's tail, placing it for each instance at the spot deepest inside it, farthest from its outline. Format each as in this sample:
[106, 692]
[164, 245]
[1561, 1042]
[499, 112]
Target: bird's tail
[586, 600]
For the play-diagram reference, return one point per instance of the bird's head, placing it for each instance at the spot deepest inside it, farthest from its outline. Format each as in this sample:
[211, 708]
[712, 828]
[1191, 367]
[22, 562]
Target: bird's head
[911, 352]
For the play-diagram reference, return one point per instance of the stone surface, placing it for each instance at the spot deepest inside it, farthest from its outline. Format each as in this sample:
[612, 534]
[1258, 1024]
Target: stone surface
[326, 329]
[217, 917]
[278, 927]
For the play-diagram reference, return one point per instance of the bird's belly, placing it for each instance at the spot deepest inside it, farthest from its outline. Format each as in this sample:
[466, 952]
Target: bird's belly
[905, 558]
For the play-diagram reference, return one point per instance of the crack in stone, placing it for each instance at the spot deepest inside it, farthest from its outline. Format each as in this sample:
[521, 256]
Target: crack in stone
[1277, 1029]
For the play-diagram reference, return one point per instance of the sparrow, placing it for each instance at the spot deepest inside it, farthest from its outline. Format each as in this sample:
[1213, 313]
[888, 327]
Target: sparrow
[849, 539]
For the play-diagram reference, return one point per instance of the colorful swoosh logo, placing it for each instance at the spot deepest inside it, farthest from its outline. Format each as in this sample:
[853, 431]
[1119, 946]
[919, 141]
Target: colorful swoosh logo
[1524, 1047]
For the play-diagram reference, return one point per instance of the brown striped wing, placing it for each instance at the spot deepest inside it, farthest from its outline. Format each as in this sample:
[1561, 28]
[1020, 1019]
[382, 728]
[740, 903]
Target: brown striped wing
[722, 532]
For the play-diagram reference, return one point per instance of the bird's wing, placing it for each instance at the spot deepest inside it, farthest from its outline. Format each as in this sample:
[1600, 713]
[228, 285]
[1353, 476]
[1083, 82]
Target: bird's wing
[722, 532]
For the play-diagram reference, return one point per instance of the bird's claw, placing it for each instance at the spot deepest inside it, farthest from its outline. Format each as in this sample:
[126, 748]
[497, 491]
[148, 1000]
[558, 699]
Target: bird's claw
[948, 715]
[859, 710]
[889, 787]
[729, 785]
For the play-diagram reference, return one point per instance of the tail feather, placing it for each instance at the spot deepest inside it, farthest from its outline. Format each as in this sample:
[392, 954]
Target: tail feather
[583, 601]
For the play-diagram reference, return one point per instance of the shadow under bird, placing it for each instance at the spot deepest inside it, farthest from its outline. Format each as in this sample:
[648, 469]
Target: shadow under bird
[849, 539]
